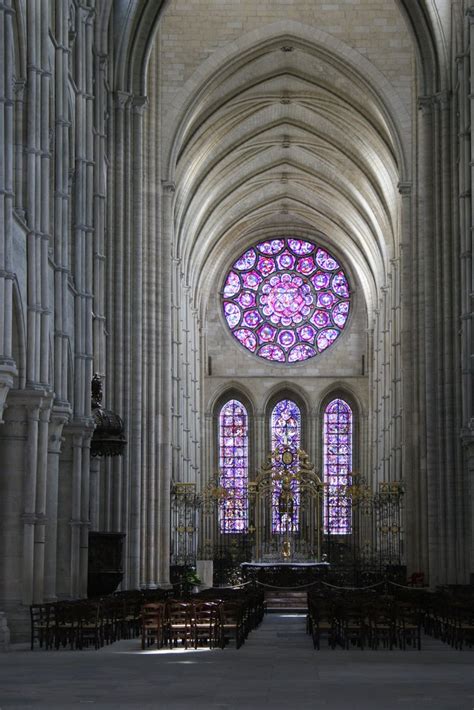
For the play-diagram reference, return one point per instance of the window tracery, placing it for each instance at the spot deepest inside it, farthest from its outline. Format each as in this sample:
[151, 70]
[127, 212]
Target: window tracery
[233, 467]
[285, 432]
[337, 465]
[286, 300]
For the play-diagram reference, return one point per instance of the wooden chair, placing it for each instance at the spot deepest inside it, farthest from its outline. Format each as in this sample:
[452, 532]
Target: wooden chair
[153, 624]
[180, 622]
[408, 629]
[90, 626]
[66, 624]
[381, 628]
[42, 618]
[232, 622]
[207, 624]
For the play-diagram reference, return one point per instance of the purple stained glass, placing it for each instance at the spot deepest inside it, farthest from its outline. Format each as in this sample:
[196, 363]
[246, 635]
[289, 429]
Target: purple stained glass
[247, 338]
[233, 464]
[301, 246]
[292, 294]
[337, 461]
[285, 433]
[326, 261]
[272, 352]
[326, 337]
[246, 261]
[271, 247]
[306, 266]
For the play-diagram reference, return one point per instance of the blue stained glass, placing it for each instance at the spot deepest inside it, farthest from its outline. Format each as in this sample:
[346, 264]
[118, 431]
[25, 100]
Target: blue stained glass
[233, 464]
[285, 433]
[337, 458]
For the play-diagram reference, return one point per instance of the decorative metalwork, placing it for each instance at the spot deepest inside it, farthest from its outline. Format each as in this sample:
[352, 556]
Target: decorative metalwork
[285, 434]
[185, 503]
[292, 475]
[286, 300]
[388, 506]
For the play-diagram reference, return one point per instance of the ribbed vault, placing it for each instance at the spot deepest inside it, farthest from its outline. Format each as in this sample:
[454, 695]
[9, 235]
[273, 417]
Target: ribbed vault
[287, 138]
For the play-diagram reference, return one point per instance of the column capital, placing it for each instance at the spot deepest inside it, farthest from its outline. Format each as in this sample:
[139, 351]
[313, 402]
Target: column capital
[405, 187]
[168, 187]
[139, 104]
[122, 99]
[426, 103]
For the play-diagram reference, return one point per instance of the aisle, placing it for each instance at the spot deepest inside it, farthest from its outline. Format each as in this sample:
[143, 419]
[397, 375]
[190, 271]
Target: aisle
[276, 669]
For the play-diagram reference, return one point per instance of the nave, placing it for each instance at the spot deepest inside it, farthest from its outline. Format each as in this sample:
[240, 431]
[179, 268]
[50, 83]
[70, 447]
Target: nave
[277, 667]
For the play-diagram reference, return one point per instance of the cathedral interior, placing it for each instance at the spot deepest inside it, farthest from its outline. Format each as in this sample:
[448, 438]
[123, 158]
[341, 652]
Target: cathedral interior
[236, 293]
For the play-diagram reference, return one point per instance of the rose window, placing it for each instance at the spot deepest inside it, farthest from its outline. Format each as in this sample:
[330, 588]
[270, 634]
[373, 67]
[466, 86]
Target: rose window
[286, 300]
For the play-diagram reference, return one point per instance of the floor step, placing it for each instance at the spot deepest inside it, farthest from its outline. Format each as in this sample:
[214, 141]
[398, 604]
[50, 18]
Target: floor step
[282, 600]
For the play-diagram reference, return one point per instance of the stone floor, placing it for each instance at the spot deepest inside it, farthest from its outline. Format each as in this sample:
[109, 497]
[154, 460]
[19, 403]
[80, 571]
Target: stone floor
[276, 668]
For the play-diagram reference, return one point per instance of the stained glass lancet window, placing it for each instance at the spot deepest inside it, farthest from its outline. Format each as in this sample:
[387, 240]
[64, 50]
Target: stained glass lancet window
[338, 424]
[233, 464]
[285, 432]
[286, 300]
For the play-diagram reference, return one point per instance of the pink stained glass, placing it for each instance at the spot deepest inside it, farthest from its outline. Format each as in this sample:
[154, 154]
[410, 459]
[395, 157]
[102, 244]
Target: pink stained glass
[337, 462]
[306, 266]
[233, 464]
[247, 338]
[232, 285]
[292, 294]
[340, 285]
[271, 247]
[301, 246]
[301, 352]
[272, 352]
[246, 261]
[285, 433]
[326, 337]
[246, 299]
[340, 313]
[326, 261]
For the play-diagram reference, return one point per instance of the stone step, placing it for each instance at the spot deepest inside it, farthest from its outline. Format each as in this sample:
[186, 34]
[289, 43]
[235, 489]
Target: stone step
[282, 600]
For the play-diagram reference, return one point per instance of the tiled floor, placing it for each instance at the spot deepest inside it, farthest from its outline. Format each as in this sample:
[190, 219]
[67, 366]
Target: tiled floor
[275, 669]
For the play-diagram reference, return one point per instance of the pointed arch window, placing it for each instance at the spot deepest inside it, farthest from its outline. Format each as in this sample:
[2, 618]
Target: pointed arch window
[285, 431]
[233, 465]
[337, 461]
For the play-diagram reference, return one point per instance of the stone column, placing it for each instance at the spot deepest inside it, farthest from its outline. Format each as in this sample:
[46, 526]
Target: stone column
[7, 366]
[165, 383]
[427, 352]
[61, 205]
[20, 480]
[41, 492]
[59, 417]
[138, 106]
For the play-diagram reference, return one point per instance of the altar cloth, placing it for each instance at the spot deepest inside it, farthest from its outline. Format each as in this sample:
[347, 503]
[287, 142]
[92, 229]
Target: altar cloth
[284, 575]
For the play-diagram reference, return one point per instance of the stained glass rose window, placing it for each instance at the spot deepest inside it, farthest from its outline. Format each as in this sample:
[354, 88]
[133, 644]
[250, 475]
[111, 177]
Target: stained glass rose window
[286, 300]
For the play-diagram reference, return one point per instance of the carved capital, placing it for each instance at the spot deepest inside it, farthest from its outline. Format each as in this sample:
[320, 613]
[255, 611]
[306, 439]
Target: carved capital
[19, 88]
[168, 187]
[139, 104]
[122, 99]
[443, 99]
[405, 187]
[426, 103]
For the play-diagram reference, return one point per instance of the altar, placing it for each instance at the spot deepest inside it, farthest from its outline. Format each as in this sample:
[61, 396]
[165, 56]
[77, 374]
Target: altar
[284, 575]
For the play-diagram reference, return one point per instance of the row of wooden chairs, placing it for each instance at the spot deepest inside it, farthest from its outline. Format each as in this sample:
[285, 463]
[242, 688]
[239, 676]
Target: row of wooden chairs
[449, 616]
[367, 621]
[84, 623]
[206, 620]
